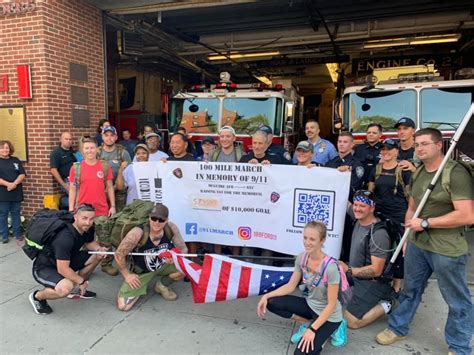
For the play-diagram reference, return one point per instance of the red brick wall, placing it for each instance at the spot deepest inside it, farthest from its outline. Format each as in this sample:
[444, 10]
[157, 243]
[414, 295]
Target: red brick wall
[55, 34]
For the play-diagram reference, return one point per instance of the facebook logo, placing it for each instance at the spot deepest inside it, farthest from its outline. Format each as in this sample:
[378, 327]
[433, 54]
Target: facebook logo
[191, 228]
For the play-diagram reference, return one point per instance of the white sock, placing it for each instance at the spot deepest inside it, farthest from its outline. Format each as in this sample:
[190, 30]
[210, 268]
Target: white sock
[387, 306]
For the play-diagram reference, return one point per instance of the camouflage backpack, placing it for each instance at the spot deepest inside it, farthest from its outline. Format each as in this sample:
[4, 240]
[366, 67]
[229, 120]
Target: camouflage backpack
[111, 230]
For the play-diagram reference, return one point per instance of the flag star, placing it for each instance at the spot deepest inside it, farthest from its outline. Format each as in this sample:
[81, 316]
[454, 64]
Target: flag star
[265, 291]
[267, 276]
[273, 284]
[282, 277]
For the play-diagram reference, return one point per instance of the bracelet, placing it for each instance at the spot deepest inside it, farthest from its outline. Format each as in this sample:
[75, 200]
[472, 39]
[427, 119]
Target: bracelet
[83, 282]
[312, 329]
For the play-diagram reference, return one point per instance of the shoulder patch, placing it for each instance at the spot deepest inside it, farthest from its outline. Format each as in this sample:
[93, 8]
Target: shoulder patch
[359, 171]
[287, 156]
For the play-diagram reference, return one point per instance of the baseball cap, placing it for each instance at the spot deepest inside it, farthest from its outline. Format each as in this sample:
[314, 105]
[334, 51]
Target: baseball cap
[265, 128]
[390, 143]
[141, 145]
[159, 211]
[406, 122]
[208, 139]
[227, 129]
[109, 129]
[152, 134]
[364, 196]
[306, 146]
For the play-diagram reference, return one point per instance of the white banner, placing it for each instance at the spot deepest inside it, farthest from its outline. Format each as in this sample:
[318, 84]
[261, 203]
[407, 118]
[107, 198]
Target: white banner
[246, 204]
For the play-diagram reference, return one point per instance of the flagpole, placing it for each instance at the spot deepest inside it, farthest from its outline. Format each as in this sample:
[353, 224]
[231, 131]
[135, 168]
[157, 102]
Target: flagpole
[454, 141]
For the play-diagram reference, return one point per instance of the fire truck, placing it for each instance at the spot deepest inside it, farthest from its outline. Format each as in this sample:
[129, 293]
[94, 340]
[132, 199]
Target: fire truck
[202, 110]
[417, 92]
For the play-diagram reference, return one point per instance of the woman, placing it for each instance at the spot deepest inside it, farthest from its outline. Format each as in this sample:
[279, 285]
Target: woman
[12, 175]
[319, 310]
[304, 154]
[126, 177]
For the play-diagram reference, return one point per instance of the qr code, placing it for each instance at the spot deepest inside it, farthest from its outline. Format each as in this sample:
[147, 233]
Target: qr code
[313, 205]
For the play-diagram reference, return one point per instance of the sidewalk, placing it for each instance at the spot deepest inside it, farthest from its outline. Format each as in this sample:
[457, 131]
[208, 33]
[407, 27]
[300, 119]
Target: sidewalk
[181, 327]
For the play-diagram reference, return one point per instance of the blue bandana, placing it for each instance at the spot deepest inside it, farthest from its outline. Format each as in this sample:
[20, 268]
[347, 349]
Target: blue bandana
[364, 199]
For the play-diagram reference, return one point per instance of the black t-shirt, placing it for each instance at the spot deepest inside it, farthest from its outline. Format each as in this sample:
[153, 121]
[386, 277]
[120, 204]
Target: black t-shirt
[390, 204]
[406, 154]
[150, 263]
[62, 160]
[272, 158]
[66, 245]
[357, 171]
[10, 168]
[187, 157]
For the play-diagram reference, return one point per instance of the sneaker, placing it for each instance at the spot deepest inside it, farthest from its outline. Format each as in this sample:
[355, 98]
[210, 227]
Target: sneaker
[387, 337]
[40, 307]
[5, 240]
[110, 270]
[165, 292]
[75, 295]
[339, 337]
[295, 338]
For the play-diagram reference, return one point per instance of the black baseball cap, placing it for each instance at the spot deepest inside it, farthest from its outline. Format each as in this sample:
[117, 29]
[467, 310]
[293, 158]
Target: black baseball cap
[390, 143]
[406, 122]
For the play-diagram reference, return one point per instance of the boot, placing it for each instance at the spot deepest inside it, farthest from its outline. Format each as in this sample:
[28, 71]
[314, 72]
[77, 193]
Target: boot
[165, 292]
[110, 270]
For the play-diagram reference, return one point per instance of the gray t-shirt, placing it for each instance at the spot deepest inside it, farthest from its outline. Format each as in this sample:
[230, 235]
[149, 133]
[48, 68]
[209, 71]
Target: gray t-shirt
[379, 245]
[223, 158]
[115, 160]
[317, 297]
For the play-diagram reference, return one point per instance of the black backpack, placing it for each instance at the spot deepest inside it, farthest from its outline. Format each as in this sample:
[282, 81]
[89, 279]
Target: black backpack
[43, 228]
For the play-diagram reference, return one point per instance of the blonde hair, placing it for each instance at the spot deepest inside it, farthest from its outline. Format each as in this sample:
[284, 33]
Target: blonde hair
[319, 227]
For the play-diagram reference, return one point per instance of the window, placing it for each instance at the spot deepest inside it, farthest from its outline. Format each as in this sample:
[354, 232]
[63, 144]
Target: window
[197, 115]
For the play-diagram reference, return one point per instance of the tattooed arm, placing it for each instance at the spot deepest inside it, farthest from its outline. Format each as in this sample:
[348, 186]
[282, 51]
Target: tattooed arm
[373, 270]
[129, 242]
[177, 239]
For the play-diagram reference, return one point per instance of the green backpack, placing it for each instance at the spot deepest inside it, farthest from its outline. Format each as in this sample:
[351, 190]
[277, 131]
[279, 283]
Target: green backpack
[111, 230]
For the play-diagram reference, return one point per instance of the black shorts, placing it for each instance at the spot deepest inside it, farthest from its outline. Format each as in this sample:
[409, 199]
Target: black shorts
[47, 274]
[365, 296]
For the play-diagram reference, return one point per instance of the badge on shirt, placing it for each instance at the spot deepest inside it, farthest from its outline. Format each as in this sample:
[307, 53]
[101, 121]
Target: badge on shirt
[322, 146]
[360, 171]
[17, 166]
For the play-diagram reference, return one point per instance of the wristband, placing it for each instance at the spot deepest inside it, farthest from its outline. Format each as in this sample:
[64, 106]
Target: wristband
[312, 329]
[83, 282]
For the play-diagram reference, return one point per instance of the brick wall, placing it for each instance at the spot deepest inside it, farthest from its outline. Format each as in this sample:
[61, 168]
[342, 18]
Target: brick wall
[55, 34]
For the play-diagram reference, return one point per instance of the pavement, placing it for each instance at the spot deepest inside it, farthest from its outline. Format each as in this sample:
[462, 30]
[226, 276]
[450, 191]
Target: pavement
[180, 327]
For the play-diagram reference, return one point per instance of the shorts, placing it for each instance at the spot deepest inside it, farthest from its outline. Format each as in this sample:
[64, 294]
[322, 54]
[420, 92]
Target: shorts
[366, 294]
[127, 292]
[47, 274]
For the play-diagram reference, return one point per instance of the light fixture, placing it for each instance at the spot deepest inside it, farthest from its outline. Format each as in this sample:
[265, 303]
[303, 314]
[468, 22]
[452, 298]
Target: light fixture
[242, 55]
[332, 68]
[407, 41]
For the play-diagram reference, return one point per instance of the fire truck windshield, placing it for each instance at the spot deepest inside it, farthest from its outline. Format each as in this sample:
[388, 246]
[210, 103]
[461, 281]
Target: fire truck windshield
[384, 107]
[197, 115]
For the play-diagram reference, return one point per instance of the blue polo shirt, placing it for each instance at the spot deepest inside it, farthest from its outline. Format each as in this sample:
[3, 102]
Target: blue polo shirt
[324, 151]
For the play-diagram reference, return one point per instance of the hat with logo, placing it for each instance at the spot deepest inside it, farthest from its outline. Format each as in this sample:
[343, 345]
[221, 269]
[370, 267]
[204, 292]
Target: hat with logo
[160, 211]
[265, 128]
[306, 146]
[208, 139]
[390, 143]
[152, 134]
[109, 129]
[142, 146]
[406, 122]
[227, 129]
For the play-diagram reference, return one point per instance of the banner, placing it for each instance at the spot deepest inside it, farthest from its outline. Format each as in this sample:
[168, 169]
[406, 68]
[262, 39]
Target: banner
[248, 204]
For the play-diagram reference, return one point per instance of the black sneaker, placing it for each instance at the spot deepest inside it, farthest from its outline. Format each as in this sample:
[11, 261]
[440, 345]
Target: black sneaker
[77, 295]
[40, 307]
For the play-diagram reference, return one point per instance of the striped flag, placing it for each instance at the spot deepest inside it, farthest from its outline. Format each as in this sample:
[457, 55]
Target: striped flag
[221, 278]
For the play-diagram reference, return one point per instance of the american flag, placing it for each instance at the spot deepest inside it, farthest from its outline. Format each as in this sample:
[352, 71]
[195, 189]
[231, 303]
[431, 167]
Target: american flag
[221, 278]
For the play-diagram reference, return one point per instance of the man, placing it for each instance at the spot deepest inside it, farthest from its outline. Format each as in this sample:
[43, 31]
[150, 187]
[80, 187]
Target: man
[437, 243]
[368, 256]
[345, 161]
[127, 142]
[126, 176]
[323, 149]
[259, 153]
[152, 141]
[368, 153]
[178, 148]
[161, 236]
[405, 131]
[65, 270]
[60, 161]
[191, 149]
[227, 152]
[274, 148]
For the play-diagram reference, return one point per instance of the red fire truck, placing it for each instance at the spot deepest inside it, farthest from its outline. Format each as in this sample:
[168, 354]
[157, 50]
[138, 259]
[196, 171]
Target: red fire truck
[202, 110]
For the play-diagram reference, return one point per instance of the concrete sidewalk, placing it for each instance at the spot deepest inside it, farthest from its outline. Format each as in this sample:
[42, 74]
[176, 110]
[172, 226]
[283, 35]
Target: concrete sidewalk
[181, 327]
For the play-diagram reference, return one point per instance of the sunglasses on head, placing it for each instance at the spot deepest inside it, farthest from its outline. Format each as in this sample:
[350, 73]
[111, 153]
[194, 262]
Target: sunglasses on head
[365, 193]
[156, 219]
[85, 207]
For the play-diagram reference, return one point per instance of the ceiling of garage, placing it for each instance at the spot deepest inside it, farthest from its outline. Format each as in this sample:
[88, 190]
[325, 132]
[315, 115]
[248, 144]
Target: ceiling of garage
[286, 38]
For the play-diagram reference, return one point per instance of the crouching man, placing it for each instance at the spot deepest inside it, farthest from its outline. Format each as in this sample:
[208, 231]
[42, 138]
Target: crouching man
[156, 237]
[65, 269]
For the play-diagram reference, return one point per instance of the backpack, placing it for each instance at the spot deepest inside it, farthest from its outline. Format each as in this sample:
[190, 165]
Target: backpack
[398, 179]
[77, 173]
[43, 227]
[238, 153]
[113, 229]
[345, 292]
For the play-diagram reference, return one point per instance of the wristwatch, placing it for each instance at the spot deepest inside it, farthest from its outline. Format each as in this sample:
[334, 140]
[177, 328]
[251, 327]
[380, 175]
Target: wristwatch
[425, 224]
[349, 272]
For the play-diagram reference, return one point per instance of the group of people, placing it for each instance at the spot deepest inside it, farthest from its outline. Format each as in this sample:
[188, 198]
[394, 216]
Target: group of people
[388, 180]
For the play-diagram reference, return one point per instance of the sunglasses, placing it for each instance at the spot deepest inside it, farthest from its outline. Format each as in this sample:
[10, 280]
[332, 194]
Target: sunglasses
[390, 141]
[156, 219]
[85, 207]
[365, 193]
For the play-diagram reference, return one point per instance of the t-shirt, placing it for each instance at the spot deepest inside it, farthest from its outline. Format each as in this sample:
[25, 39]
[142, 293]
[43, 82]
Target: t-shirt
[92, 186]
[272, 158]
[379, 245]
[324, 151]
[10, 169]
[114, 159]
[156, 156]
[357, 171]
[129, 145]
[391, 205]
[406, 154]
[150, 263]
[226, 158]
[129, 179]
[62, 160]
[317, 297]
[446, 241]
[187, 157]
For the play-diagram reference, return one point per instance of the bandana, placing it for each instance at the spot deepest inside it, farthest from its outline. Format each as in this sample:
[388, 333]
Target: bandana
[364, 199]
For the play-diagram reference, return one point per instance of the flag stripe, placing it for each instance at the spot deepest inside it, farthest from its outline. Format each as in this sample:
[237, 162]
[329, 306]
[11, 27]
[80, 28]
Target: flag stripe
[254, 284]
[213, 284]
[233, 287]
[244, 281]
[224, 280]
[204, 280]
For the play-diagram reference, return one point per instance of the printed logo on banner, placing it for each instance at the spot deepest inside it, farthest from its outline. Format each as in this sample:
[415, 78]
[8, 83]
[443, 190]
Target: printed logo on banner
[191, 228]
[313, 205]
[274, 197]
[244, 233]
